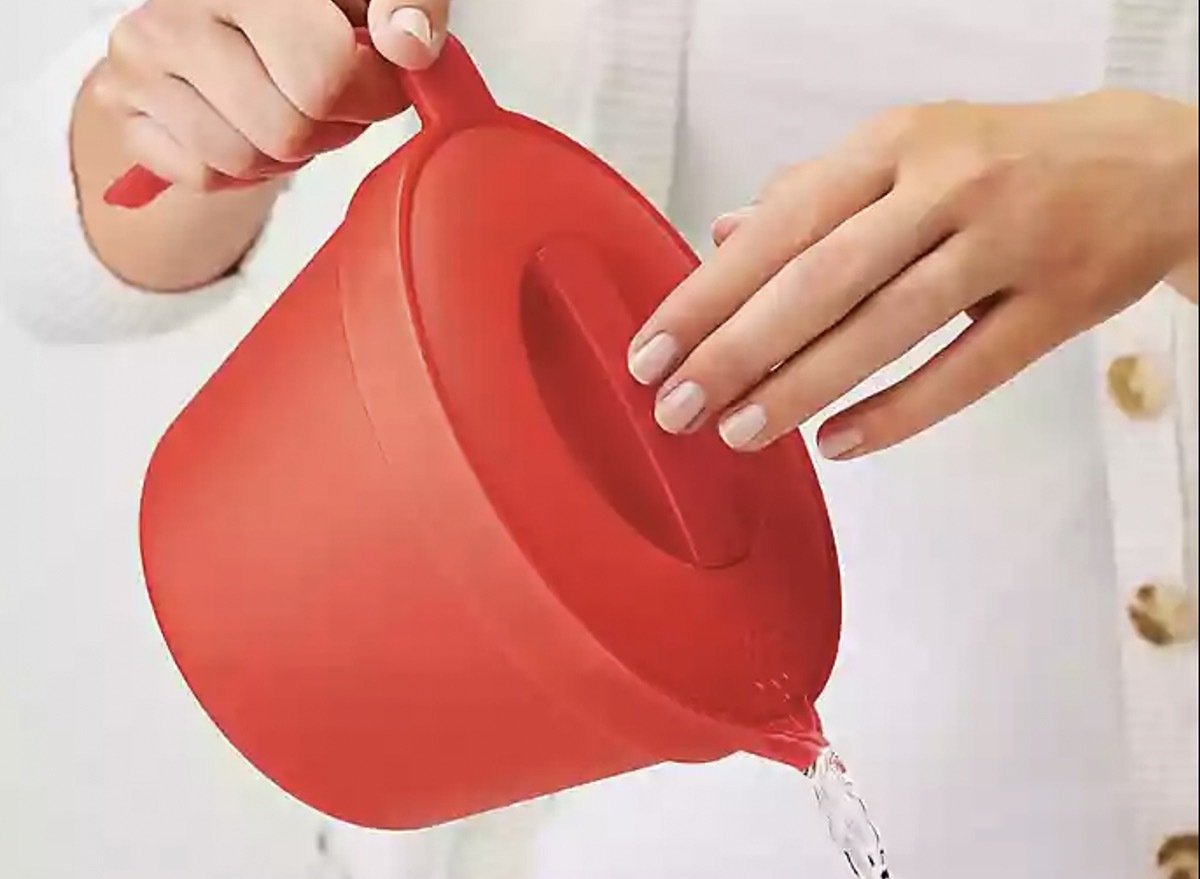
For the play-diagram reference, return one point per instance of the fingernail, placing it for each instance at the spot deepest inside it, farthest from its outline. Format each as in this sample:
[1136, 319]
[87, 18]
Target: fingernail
[726, 224]
[650, 362]
[839, 444]
[415, 23]
[740, 428]
[678, 409]
[734, 216]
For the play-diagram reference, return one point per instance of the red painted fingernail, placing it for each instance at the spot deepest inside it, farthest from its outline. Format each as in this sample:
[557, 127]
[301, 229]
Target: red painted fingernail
[136, 188]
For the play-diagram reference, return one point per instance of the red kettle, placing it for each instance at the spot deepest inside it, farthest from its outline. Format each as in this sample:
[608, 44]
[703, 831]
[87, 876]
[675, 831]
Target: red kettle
[418, 547]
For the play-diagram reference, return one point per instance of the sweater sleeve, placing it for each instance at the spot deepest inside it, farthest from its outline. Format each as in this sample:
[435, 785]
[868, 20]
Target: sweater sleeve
[51, 282]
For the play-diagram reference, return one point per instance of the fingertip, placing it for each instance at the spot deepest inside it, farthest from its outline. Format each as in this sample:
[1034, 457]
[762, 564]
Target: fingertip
[405, 34]
[726, 224]
[841, 440]
[650, 359]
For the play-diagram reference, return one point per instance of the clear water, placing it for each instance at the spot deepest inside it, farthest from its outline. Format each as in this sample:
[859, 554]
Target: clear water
[850, 825]
[793, 743]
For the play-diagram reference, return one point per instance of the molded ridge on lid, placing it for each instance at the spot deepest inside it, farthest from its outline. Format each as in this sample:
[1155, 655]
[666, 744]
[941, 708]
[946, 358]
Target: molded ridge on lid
[713, 533]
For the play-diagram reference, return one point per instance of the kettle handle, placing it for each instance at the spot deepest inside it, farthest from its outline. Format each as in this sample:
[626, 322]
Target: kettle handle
[449, 95]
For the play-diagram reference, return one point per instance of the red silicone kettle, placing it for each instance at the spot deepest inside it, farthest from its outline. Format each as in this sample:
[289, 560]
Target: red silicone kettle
[418, 547]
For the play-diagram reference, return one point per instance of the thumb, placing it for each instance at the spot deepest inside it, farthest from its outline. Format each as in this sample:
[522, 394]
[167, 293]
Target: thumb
[409, 33]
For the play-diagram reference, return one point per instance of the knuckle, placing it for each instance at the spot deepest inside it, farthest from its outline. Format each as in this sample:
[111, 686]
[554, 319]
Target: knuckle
[891, 126]
[780, 182]
[184, 171]
[318, 99]
[150, 38]
[141, 29]
[316, 80]
[242, 161]
[126, 39]
[106, 88]
[804, 221]
[935, 292]
[982, 173]
[288, 140]
[313, 95]
[931, 290]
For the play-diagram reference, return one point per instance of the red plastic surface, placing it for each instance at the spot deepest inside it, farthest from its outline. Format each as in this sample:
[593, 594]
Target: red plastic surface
[418, 547]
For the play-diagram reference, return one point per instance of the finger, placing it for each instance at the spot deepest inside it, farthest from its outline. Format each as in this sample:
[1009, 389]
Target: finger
[310, 60]
[157, 151]
[409, 33]
[804, 300]
[986, 355]
[192, 123]
[816, 200]
[921, 300]
[320, 64]
[979, 310]
[779, 182]
[726, 224]
[227, 70]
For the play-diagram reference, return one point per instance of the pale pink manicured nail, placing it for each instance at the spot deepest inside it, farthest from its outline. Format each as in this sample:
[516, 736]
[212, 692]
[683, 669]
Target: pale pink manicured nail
[740, 429]
[734, 216]
[839, 444]
[724, 225]
[650, 363]
[680, 407]
[415, 23]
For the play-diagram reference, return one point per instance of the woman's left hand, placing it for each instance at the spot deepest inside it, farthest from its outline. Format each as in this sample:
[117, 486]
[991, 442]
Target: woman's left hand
[1037, 221]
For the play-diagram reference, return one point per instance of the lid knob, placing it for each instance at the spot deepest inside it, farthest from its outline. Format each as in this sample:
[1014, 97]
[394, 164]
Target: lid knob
[714, 529]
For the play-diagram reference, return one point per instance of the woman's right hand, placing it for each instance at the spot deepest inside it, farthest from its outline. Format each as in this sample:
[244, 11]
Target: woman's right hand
[222, 94]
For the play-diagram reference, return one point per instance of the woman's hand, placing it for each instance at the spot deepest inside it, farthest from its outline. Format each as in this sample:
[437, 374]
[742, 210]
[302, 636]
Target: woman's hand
[1037, 221]
[222, 94]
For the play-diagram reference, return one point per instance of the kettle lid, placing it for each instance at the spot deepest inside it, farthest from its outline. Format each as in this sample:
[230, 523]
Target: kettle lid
[527, 265]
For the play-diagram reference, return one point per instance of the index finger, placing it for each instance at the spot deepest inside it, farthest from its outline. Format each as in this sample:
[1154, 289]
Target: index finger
[307, 47]
[800, 210]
